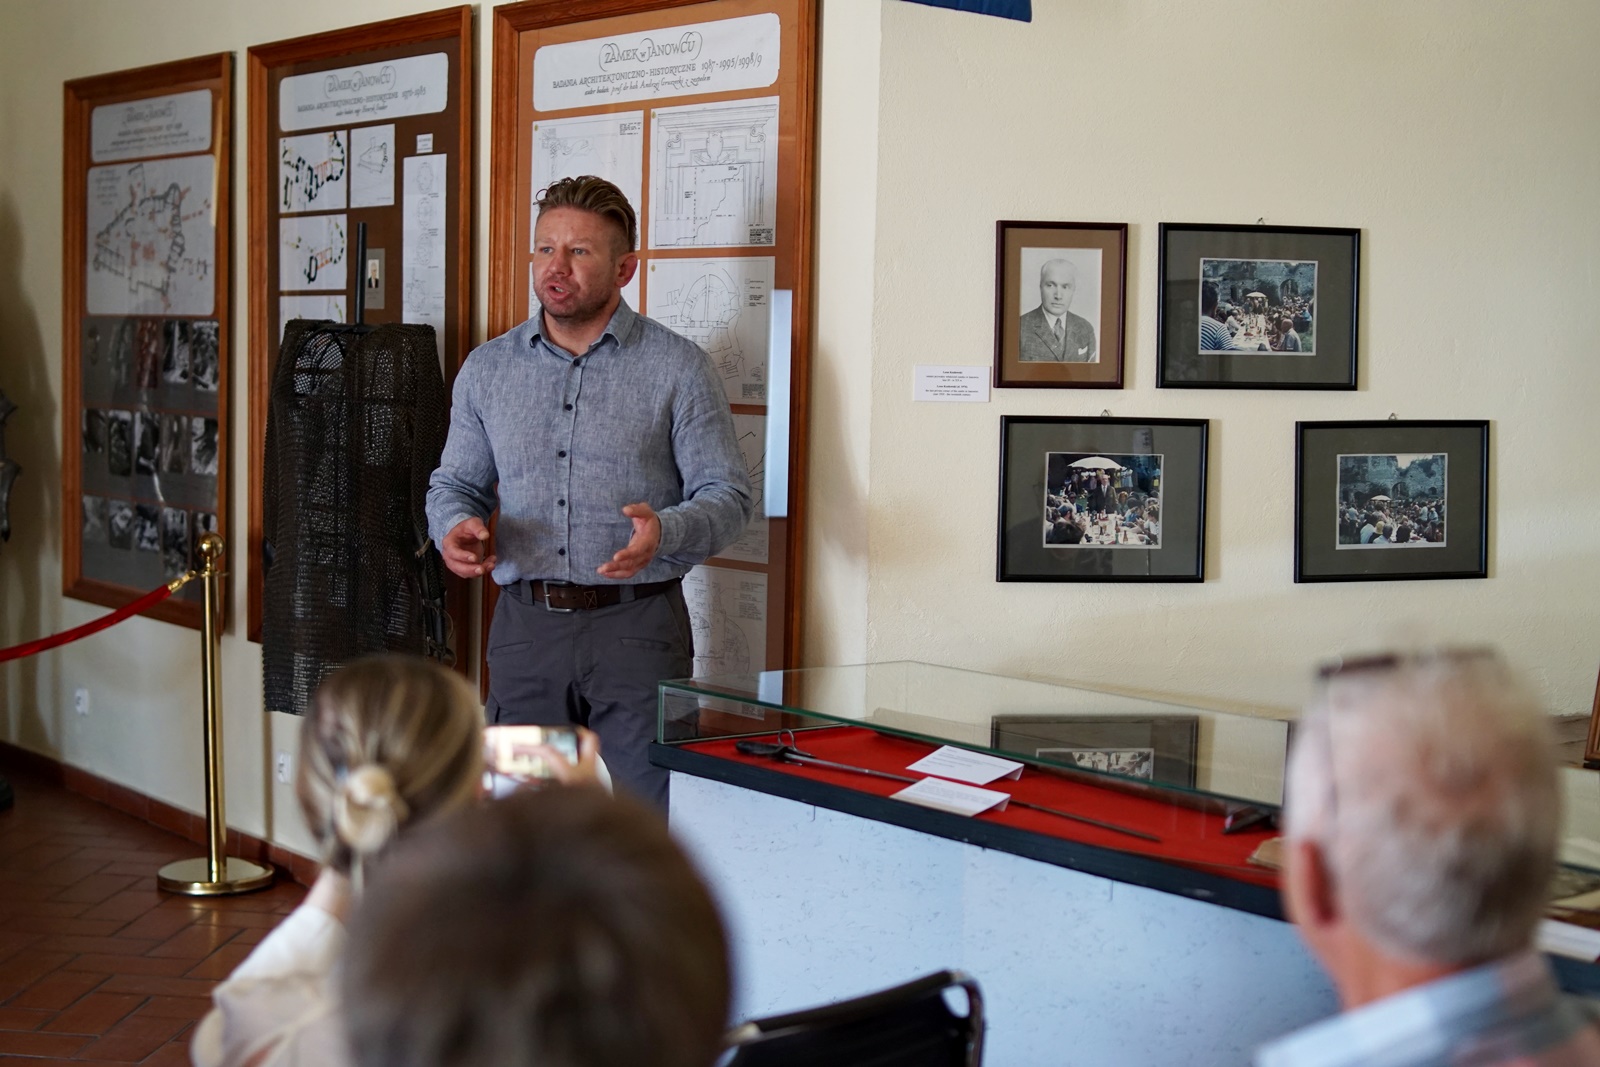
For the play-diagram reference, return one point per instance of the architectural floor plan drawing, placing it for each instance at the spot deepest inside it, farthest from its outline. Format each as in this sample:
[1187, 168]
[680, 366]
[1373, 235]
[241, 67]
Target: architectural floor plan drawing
[714, 175]
[607, 146]
[373, 166]
[151, 241]
[422, 243]
[313, 172]
[728, 613]
[312, 252]
[751, 547]
[725, 307]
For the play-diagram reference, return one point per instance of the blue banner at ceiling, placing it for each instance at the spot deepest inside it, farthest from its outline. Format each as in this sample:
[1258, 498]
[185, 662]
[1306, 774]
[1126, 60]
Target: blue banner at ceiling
[1021, 10]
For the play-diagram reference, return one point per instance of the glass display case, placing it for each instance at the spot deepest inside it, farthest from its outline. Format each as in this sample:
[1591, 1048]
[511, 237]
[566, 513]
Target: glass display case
[1104, 777]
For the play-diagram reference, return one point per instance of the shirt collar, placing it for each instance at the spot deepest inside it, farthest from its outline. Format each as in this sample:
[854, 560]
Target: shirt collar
[1420, 1025]
[621, 327]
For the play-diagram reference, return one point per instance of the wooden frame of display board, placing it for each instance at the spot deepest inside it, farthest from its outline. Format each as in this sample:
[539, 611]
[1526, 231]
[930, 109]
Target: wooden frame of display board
[376, 84]
[146, 328]
[733, 84]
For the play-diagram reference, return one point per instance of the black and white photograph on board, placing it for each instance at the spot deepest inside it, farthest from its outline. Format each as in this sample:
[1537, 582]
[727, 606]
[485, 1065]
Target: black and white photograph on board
[147, 442]
[1059, 305]
[150, 351]
[175, 363]
[203, 354]
[203, 445]
[94, 433]
[119, 524]
[94, 520]
[119, 443]
[174, 542]
[147, 527]
[174, 451]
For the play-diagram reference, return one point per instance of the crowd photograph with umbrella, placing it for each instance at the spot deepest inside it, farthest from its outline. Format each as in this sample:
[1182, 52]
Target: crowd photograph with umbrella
[1102, 501]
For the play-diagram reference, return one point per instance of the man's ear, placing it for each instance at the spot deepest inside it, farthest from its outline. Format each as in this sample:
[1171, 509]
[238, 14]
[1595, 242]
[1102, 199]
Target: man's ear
[627, 266]
[1309, 894]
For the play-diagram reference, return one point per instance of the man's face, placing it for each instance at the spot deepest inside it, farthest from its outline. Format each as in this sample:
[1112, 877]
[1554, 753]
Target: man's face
[1057, 282]
[578, 264]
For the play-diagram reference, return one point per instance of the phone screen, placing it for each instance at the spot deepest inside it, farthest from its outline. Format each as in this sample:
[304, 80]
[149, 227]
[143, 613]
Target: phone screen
[516, 752]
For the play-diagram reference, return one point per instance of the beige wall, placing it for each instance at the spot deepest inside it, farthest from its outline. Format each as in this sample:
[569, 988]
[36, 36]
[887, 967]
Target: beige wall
[1458, 135]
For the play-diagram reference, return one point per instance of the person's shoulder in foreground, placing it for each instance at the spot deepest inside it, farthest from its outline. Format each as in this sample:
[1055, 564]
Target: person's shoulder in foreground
[1423, 811]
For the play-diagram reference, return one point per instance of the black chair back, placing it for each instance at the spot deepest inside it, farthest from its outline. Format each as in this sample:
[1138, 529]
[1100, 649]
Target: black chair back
[909, 1025]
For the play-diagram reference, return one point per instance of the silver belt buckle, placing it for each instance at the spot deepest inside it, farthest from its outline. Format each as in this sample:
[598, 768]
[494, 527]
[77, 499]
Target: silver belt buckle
[544, 601]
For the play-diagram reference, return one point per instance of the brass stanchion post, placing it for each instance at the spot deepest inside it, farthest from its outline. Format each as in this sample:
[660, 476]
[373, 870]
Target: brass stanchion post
[216, 873]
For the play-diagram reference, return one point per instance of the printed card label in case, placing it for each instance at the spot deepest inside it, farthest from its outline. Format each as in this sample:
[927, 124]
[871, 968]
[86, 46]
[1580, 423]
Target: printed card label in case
[704, 57]
[964, 765]
[371, 92]
[953, 797]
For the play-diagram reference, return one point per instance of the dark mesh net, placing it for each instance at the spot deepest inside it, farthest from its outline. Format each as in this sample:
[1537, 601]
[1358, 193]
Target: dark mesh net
[355, 424]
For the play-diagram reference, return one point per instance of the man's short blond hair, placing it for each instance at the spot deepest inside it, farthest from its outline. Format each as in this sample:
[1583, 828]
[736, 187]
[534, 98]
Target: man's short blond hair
[598, 197]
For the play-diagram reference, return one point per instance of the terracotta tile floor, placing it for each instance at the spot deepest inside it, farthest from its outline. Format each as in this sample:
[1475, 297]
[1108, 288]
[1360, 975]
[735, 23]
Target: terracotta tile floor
[96, 964]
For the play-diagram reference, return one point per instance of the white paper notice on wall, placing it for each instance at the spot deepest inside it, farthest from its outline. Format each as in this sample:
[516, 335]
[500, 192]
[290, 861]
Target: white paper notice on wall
[152, 126]
[964, 765]
[953, 797]
[703, 57]
[395, 88]
[422, 243]
[957, 384]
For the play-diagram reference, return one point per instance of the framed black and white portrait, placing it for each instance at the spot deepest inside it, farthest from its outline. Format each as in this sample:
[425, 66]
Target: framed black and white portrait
[1059, 293]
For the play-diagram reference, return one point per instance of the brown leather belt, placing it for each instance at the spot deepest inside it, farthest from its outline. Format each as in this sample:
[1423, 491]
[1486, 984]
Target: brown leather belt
[558, 596]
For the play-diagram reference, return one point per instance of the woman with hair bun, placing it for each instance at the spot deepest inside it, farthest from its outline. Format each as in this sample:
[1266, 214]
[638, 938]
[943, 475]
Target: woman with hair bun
[389, 742]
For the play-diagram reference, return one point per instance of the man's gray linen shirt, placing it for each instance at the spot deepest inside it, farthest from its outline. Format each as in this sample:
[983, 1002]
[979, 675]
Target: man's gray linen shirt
[640, 416]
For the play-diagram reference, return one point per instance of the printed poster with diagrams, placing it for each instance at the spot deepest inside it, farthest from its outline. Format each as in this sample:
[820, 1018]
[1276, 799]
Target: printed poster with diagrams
[146, 363]
[703, 116]
[369, 126]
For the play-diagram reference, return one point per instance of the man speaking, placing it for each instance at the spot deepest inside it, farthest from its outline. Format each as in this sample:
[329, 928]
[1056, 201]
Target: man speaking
[606, 441]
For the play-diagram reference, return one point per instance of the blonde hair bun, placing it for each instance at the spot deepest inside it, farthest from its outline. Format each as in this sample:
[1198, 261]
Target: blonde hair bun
[368, 810]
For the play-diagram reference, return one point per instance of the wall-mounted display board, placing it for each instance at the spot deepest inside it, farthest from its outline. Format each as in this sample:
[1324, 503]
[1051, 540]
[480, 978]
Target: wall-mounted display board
[370, 124]
[145, 328]
[704, 115]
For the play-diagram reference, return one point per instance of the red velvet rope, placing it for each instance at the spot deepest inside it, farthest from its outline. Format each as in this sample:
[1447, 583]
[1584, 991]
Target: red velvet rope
[44, 644]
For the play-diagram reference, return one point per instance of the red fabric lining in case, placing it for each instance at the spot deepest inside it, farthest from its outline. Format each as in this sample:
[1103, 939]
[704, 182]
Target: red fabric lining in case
[1188, 837]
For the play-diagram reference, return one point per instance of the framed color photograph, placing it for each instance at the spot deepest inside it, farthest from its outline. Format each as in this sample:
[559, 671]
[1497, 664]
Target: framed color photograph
[1101, 499]
[1058, 304]
[1386, 500]
[1159, 749]
[1257, 307]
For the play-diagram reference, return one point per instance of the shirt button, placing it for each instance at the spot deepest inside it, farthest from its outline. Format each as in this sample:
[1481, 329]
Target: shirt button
[561, 552]
[568, 407]
[562, 454]
[561, 503]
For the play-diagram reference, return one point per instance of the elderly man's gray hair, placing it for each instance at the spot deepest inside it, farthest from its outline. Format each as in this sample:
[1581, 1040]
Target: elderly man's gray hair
[1432, 788]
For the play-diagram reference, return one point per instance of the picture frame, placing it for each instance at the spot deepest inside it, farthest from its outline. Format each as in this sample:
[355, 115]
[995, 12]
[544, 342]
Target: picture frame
[1160, 749]
[147, 290]
[1101, 499]
[1226, 292]
[1390, 500]
[1082, 268]
[330, 148]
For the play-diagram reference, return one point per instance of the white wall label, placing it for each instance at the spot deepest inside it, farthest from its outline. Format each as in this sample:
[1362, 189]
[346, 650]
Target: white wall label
[959, 384]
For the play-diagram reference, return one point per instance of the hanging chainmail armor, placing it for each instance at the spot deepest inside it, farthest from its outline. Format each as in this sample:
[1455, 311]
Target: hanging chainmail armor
[356, 420]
